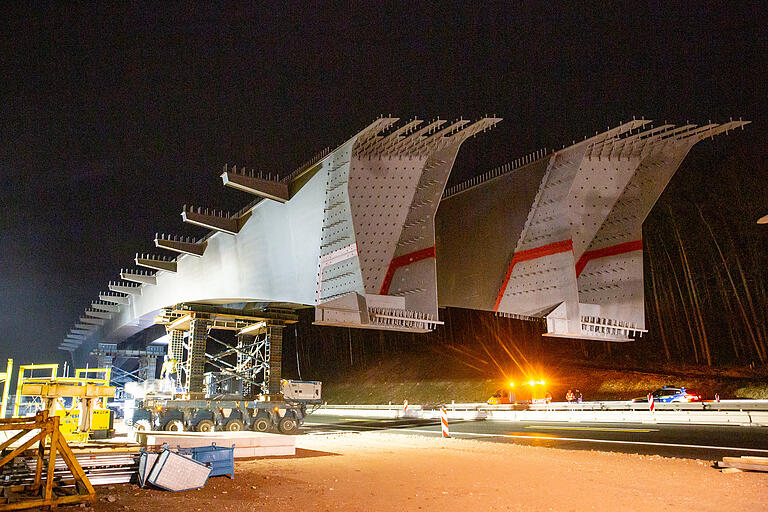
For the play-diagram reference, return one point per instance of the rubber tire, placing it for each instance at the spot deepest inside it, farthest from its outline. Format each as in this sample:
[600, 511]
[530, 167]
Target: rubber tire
[234, 426]
[142, 426]
[288, 425]
[205, 426]
[174, 426]
[262, 424]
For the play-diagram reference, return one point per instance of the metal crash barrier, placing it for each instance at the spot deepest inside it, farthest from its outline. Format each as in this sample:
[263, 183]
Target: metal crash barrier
[725, 412]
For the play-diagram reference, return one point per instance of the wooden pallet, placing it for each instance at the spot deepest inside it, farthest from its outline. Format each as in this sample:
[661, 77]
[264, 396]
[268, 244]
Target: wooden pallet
[744, 463]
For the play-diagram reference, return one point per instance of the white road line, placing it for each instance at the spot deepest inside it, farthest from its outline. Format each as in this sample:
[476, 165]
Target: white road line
[356, 428]
[595, 429]
[643, 443]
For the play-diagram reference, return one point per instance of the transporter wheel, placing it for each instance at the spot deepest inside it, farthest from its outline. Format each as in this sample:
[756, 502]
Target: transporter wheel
[205, 426]
[234, 426]
[262, 424]
[174, 426]
[288, 425]
[142, 426]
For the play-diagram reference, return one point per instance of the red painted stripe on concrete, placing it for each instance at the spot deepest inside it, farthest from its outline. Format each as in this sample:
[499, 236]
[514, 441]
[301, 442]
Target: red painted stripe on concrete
[402, 261]
[613, 250]
[532, 254]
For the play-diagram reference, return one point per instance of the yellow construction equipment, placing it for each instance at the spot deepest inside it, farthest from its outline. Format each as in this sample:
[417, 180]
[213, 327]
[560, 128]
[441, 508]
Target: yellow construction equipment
[23, 369]
[6, 379]
[85, 374]
[87, 415]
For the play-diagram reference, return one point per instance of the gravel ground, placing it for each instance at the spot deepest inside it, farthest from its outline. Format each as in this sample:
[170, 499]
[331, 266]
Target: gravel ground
[386, 472]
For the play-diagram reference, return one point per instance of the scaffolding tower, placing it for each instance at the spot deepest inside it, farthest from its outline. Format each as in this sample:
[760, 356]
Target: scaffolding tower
[257, 352]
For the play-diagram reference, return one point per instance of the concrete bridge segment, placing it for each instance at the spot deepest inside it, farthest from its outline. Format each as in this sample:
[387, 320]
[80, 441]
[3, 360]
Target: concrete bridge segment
[351, 234]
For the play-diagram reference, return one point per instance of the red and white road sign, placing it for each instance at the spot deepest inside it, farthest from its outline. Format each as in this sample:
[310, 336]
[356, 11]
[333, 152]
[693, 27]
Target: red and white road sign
[444, 422]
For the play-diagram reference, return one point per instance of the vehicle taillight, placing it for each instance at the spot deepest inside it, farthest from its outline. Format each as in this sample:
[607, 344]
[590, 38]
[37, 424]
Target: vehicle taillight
[691, 398]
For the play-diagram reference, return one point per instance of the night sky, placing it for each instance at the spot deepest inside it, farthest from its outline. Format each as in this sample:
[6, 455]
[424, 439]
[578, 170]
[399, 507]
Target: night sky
[112, 118]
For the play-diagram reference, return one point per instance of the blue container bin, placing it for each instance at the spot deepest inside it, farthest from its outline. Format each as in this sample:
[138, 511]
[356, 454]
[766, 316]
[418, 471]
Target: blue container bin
[220, 459]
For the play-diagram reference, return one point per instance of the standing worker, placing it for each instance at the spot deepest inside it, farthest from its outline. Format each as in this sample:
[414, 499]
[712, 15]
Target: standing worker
[170, 370]
[569, 396]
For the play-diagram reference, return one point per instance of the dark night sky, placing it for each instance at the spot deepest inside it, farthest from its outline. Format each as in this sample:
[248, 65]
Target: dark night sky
[112, 118]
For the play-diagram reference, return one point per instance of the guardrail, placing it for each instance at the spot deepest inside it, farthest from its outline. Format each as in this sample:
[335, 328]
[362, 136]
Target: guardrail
[704, 405]
[725, 412]
[624, 405]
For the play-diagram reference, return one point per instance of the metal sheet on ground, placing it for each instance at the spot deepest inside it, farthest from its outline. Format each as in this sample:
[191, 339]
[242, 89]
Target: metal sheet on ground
[174, 472]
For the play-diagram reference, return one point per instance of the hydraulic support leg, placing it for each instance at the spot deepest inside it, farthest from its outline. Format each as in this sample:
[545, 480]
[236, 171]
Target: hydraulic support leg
[176, 346]
[195, 366]
[275, 340]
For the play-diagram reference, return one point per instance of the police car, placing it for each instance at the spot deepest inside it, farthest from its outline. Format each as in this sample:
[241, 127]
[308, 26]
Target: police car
[667, 394]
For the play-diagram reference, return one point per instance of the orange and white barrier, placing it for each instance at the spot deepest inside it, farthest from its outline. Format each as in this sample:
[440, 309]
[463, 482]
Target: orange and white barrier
[651, 407]
[444, 422]
[405, 407]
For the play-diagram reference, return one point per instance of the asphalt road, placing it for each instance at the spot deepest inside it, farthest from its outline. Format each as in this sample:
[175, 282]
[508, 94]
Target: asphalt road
[686, 441]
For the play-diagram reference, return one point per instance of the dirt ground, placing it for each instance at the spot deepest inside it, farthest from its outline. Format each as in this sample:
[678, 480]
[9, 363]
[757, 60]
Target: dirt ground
[389, 472]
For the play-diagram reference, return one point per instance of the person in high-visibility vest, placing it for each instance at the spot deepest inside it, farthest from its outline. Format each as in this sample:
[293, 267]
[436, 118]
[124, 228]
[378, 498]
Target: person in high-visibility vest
[569, 396]
[170, 370]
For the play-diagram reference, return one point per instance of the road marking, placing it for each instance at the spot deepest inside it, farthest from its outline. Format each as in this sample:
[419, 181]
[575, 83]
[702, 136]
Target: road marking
[330, 432]
[644, 443]
[594, 429]
[365, 420]
[364, 427]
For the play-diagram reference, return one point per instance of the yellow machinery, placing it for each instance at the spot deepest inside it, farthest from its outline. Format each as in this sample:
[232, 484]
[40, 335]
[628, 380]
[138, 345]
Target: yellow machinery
[85, 374]
[5, 378]
[87, 414]
[53, 370]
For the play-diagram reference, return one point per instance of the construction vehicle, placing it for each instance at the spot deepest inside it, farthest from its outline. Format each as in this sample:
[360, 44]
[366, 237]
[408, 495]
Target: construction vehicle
[80, 402]
[530, 392]
[159, 411]
[246, 393]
